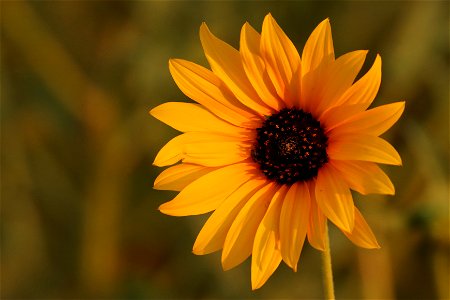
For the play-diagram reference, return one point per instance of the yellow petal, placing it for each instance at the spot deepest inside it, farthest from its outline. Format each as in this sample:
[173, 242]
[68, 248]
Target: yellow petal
[318, 49]
[212, 236]
[362, 235]
[366, 88]
[363, 147]
[374, 121]
[364, 177]
[215, 151]
[296, 89]
[281, 57]
[239, 241]
[172, 152]
[271, 263]
[266, 254]
[312, 86]
[334, 198]
[179, 176]
[317, 222]
[208, 192]
[255, 68]
[204, 87]
[193, 117]
[203, 148]
[335, 115]
[294, 219]
[226, 63]
[317, 57]
[340, 77]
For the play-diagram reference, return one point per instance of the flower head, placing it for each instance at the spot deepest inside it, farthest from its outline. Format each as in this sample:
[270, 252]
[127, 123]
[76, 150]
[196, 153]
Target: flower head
[274, 145]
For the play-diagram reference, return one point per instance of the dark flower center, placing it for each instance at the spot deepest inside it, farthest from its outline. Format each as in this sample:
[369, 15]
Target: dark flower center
[290, 146]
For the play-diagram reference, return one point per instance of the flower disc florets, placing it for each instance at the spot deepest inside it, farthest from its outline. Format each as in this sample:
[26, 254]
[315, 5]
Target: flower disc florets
[290, 146]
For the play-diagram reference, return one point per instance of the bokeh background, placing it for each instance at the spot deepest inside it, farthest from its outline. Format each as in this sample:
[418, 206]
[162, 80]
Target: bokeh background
[78, 213]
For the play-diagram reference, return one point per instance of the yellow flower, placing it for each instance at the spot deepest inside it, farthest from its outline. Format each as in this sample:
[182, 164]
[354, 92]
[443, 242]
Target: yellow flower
[274, 146]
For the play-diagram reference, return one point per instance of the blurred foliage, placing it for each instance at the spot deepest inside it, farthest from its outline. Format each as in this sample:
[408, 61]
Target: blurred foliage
[78, 214]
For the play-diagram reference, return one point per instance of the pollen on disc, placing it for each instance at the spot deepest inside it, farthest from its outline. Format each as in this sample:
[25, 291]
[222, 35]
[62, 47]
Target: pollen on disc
[290, 146]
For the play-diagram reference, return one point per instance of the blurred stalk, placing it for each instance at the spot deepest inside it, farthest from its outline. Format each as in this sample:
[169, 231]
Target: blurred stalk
[95, 109]
[101, 236]
[376, 273]
[21, 224]
[58, 70]
[45, 54]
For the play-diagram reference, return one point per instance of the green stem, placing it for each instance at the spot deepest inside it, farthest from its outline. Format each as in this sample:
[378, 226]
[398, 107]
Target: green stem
[327, 270]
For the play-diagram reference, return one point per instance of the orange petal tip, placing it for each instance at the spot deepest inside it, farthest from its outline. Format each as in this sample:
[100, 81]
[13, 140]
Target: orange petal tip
[164, 209]
[151, 112]
[197, 251]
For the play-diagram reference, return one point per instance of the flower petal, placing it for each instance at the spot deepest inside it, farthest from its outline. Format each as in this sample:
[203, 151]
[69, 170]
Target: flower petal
[374, 121]
[296, 89]
[337, 114]
[334, 198]
[317, 223]
[212, 236]
[272, 259]
[203, 148]
[340, 77]
[266, 253]
[362, 235]
[239, 241]
[317, 58]
[172, 152]
[214, 153]
[362, 147]
[318, 49]
[209, 191]
[281, 57]
[226, 63]
[193, 117]
[312, 86]
[204, 87]
[179, 176]
[364, 177]
[366, 88]
[294, 219]
[255, 68]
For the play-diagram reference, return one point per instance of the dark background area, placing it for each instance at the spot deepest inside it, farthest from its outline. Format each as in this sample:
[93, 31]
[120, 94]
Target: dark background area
[78, 213]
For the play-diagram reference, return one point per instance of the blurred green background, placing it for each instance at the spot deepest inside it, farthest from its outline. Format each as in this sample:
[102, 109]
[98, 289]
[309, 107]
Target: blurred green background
[78, 214]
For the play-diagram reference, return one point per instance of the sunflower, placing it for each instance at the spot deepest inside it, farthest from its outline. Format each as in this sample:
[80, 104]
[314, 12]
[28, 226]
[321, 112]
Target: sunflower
[274, 146]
